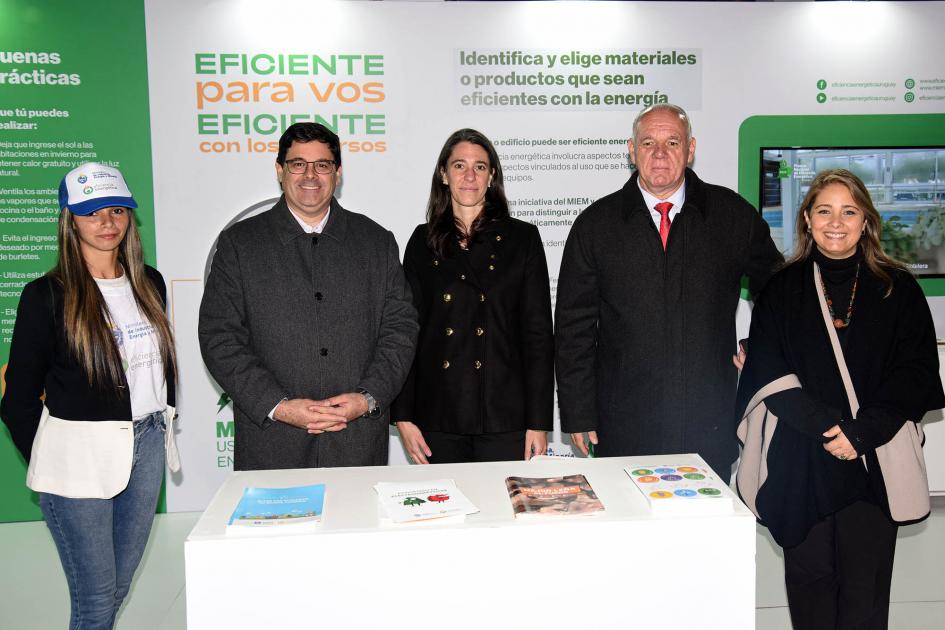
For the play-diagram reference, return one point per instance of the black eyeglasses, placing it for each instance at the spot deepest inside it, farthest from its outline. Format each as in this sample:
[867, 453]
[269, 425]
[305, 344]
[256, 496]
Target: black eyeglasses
[299, 166]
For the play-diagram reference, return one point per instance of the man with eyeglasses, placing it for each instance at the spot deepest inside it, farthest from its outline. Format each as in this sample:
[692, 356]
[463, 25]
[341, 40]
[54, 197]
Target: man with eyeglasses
[306, 320]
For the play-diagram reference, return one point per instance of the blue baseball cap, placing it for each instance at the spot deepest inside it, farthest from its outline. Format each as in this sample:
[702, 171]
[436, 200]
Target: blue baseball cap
[93, 186]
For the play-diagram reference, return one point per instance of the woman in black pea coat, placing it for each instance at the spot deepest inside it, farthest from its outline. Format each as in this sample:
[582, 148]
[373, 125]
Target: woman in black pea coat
[482, 383]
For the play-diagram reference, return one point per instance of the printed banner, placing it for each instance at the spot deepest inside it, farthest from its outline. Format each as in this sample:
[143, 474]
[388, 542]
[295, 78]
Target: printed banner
[554, 85]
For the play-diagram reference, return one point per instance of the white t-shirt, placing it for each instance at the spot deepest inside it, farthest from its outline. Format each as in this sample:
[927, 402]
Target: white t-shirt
[139, 348]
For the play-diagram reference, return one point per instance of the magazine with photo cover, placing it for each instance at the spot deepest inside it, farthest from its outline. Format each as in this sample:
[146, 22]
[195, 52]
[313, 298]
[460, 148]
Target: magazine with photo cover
[552, 496]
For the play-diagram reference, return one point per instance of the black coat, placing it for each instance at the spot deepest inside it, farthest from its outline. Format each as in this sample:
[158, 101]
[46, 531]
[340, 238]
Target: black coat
[891, 353]
[485, 360]
[41, 361]
[645, 337]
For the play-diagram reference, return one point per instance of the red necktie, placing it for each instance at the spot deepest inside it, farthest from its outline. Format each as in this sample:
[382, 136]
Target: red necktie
[663, 208]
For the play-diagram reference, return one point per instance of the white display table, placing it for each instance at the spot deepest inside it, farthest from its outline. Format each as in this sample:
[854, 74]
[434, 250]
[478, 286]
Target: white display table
[621, 569]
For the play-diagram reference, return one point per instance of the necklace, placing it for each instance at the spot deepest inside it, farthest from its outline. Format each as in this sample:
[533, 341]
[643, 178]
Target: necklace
[837, 322]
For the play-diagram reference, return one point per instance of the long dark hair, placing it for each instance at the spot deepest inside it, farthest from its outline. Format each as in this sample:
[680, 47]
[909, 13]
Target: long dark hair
[877, 261]
[442, 226]
[85, 314]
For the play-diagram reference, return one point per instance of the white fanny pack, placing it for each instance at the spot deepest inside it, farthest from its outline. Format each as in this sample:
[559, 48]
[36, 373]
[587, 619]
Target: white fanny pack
[88, 460]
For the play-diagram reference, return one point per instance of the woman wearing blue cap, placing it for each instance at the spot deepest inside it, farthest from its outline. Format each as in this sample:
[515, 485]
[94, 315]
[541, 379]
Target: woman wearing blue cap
[92, 335]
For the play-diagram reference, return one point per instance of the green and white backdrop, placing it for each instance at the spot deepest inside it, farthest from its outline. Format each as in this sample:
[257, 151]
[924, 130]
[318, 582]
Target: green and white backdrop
[189, 98]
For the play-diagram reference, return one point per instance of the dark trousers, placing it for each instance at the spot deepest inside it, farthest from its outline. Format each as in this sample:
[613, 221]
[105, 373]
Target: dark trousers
[839, 577]
[454, 448]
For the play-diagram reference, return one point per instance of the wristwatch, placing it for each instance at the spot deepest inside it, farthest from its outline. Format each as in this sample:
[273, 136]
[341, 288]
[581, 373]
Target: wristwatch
[372, 406]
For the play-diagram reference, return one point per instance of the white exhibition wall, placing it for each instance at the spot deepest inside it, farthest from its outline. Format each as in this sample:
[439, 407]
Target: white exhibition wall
[554, 85]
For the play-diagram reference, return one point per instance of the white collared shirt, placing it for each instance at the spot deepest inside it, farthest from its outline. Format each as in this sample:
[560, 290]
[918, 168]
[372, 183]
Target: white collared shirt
[316, 229]
[678, 198]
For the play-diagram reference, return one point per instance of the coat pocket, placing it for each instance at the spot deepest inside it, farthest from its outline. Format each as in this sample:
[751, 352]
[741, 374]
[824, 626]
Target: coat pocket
[81, 460]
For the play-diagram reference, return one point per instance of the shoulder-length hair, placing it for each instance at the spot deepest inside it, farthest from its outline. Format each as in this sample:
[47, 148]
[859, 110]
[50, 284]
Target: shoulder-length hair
[877, 261]
[85, 314]
[442, 225]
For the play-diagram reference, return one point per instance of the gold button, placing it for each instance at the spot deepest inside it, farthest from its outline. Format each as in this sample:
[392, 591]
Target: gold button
[446, 364]
[477, 364]
[492, 256]
[462, 276]
[498, 237]
[449, 331]
[482, 297]
[491, 267]
[447, 297]
[436, 263]
[479, 332]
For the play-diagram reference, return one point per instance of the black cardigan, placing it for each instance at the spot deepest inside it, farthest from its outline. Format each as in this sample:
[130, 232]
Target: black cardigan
[40, 360]
[890, 350]
[484, 362]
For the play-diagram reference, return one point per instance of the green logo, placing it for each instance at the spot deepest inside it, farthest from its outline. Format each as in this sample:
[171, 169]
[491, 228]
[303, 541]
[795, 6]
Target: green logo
[821, 84]
[909, 97]
[910, 84]
[784, 170]
[413, 501]
[821, 98]
[223, 402]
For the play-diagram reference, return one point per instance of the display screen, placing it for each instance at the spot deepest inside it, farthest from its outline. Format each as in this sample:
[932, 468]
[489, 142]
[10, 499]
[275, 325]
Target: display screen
[907, 185]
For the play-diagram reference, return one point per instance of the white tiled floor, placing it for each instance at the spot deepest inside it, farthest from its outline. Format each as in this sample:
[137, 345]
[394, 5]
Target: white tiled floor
[33, 594]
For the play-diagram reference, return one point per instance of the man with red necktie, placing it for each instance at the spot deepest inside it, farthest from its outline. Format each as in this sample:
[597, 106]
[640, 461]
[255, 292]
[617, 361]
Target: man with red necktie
[647, 293]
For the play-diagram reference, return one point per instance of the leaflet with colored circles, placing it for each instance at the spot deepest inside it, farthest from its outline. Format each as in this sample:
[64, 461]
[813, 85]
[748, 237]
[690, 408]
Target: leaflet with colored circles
[674, 489]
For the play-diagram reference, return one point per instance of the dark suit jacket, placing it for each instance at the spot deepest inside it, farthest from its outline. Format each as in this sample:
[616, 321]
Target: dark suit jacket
[41, 361]
[286, 314]
[645, 337]
[485, 358]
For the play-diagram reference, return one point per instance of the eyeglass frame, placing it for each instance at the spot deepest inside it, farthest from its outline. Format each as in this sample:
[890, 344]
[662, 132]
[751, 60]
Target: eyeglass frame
[329, 164]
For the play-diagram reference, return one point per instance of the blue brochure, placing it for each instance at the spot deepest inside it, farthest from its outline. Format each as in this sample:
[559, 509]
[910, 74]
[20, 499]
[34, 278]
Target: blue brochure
[279, 506]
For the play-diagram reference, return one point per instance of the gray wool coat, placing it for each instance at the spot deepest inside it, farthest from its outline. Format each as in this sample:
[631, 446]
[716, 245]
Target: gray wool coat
[287, 314]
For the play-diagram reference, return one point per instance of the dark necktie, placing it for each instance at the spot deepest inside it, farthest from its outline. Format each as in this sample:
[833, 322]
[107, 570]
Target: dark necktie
[663, 208]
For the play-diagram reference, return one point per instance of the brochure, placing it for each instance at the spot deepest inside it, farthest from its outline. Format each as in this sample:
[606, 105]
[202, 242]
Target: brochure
[676, 489]
[552, 496]
[407, 502]
[271, 507]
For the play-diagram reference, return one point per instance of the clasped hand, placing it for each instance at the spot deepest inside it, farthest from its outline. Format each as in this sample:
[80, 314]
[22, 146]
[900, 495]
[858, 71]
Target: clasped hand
[320, 416]
[839, 446]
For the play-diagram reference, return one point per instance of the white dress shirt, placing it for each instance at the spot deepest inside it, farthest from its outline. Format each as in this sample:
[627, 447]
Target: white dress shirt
[678, 198]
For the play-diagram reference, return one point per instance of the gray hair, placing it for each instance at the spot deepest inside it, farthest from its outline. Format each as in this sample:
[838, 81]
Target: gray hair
[663, 107]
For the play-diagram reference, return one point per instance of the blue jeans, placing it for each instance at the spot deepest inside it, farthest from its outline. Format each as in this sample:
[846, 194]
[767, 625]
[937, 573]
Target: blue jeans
[101, 541]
